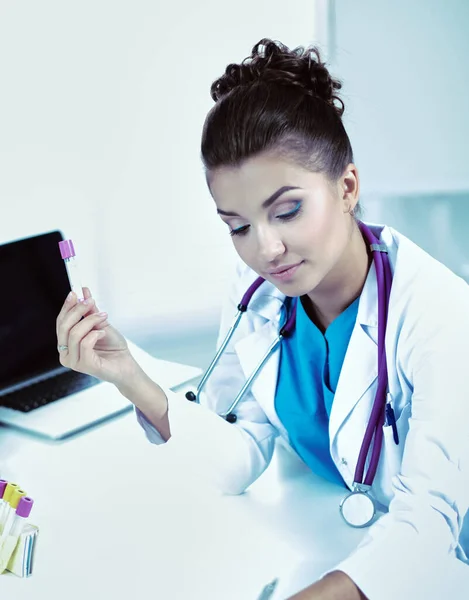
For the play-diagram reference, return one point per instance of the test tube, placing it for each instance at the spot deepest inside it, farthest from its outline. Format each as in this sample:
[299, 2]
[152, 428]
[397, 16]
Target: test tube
[22, 512]
[5, 511]
[9, 539]
[67, 251]
[3, 485]
[13, 501]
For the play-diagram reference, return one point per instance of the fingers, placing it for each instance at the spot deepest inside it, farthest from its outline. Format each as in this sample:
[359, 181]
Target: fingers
[93, 308]
[87, 296]
[76, 338]
[69, 303]
[71, 314]
[74, 325]
[88, 304]
[87, 344]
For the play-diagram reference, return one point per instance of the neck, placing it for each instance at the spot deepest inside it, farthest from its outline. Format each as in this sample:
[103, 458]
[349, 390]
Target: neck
[343, 284]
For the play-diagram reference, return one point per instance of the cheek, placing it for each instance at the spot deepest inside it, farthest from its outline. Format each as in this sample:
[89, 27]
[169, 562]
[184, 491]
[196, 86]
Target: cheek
[310, 235]
[335, 243]
[244, 251]
[321, 238]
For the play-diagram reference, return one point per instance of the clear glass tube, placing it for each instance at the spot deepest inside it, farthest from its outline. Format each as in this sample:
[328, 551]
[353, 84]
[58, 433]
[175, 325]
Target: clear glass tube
[74, 276]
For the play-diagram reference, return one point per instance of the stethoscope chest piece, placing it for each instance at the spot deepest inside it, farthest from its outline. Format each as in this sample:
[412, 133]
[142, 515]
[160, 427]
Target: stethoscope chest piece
[358, 508]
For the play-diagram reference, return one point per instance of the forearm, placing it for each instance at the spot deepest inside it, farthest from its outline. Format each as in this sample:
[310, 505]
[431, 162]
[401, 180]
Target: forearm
[148, 397]
[333, 586]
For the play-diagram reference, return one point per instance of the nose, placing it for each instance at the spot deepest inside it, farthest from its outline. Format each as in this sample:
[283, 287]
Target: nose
[270, 246]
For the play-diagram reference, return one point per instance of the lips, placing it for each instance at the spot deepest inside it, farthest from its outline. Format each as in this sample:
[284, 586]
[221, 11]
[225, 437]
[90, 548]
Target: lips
[283, 269]
[285, 273]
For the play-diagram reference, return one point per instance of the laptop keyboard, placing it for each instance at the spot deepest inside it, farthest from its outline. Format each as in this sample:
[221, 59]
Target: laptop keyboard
[47, 391]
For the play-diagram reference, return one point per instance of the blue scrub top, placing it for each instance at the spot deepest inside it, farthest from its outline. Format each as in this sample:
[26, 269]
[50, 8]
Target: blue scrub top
[310, 365]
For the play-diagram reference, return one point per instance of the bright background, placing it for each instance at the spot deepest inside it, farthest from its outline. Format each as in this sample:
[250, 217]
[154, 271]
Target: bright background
[101, 108]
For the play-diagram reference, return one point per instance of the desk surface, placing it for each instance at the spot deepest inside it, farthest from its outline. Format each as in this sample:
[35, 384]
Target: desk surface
[118, 517]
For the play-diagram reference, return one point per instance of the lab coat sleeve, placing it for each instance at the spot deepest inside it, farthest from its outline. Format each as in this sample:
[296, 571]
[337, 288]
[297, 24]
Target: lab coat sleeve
[229, 456]
[153, 435]
[410, 552]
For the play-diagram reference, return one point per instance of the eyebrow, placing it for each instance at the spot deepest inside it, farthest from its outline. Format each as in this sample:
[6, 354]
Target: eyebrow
[270, 200]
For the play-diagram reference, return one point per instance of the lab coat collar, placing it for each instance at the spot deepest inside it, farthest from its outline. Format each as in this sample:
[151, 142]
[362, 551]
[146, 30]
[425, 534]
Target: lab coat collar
[358, 374]
[368, 305]
[267, 302]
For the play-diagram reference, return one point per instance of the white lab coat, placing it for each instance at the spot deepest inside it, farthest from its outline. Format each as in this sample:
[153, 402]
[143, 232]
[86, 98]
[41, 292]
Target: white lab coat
[413, 550]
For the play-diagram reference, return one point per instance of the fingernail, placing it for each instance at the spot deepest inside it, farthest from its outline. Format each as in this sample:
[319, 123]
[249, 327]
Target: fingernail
[101, 333]
[69, 297]
[102, 314]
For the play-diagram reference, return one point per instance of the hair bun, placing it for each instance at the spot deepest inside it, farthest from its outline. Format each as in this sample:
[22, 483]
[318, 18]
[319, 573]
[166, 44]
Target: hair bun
[273, 62]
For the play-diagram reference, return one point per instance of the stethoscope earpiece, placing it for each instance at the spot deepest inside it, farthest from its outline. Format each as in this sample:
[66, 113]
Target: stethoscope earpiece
[191, 396]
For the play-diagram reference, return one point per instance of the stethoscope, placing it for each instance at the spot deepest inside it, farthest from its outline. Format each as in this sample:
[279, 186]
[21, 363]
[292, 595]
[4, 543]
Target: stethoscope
[358, 508]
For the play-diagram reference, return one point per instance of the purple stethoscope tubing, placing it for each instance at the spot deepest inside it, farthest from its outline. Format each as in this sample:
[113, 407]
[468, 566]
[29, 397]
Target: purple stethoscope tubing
[376, 421]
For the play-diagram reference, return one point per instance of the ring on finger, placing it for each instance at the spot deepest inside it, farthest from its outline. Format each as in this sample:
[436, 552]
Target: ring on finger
[62, 347]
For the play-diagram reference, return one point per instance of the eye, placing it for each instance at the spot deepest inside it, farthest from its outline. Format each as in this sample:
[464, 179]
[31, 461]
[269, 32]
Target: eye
[283, 217]
[239, 231]
[291, 214]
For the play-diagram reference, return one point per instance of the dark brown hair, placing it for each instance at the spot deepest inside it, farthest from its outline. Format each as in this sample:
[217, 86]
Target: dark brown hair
[281, 101]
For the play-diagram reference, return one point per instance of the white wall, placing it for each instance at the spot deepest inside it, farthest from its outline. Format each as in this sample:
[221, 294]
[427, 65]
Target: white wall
[405, 68]
[101, 111]
[102, 105]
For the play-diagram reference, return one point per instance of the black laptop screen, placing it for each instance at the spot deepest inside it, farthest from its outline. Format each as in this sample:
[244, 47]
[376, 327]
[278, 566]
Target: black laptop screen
[34, 285]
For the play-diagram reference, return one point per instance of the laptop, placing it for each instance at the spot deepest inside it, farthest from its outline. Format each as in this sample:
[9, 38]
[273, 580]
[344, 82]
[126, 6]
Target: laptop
[38, 394]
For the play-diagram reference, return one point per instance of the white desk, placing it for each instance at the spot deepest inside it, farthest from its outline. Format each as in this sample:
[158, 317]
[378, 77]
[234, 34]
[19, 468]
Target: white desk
[117, 519]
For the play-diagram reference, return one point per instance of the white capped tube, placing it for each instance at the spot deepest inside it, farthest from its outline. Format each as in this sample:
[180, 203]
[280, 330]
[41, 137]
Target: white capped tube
[6, 509]
[3, 502]
[9, 540]
[67, 252]
[13, 503]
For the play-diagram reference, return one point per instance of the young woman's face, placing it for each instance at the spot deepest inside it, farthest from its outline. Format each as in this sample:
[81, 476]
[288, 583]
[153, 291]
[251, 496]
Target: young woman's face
[283, 216]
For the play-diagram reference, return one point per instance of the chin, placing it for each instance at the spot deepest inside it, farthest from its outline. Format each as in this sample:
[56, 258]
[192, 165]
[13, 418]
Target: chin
[304, 287]
[295, 288]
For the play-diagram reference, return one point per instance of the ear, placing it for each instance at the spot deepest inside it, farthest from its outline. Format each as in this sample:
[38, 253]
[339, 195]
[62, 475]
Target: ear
[349, 188]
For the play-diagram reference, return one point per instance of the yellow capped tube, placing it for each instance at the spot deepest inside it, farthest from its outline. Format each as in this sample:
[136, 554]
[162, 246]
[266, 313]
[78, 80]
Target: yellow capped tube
[15, 497]
[9, 490]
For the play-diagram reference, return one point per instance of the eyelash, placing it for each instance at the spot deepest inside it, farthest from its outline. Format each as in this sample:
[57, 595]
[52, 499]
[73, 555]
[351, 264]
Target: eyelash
[286, 217]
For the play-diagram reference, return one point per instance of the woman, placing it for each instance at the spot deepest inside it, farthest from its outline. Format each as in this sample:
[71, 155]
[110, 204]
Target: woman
[280, 169]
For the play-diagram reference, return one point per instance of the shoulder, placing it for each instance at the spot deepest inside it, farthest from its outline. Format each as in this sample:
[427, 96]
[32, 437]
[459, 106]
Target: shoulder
[417, 274]
[426, 296]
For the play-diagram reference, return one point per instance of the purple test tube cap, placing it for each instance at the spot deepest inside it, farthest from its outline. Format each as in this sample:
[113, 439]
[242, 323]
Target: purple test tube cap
[24, 507]
[66, 249]
[3, 485]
